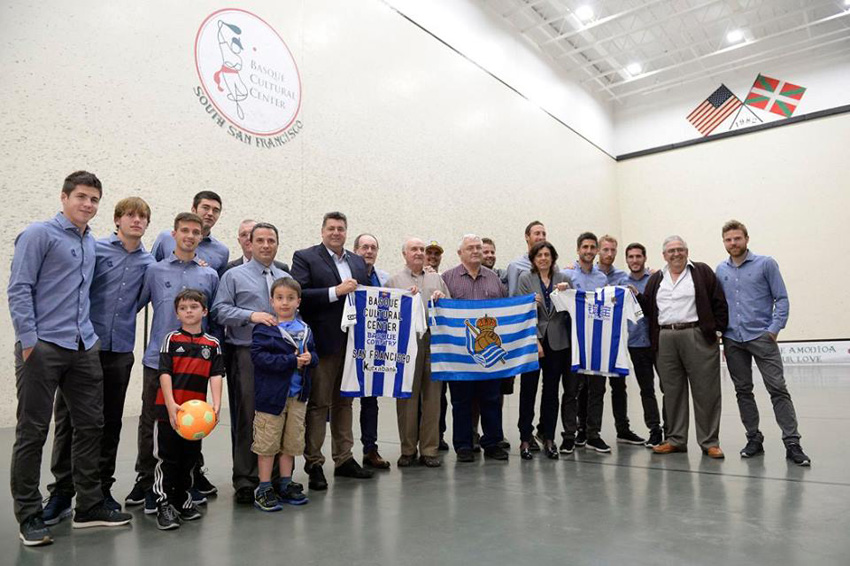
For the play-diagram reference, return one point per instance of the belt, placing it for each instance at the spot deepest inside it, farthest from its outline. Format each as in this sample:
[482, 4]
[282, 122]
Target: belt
[679, 325]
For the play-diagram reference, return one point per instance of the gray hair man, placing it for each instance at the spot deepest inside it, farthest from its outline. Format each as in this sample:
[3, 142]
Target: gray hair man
[418, 416]
[687, 313]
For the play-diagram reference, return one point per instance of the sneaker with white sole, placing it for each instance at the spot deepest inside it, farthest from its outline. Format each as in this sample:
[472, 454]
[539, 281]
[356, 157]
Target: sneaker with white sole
[598, 444]
[33, 532]
[167, 518]
[150, 503]
[629, 437]
[136, 496]
[190, 513]
[56, 508]
[100, 516]
[794, 452]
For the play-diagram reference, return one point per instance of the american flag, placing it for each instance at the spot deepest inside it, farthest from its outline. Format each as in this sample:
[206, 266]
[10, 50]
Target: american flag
[714, 110]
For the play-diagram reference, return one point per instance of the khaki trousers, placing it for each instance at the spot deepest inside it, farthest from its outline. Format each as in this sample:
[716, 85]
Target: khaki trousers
[686, 360]
[325, 400]
[420, 428]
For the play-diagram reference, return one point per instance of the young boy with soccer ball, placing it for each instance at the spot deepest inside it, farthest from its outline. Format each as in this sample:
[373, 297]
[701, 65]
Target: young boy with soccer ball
[188, 361]
[283, 355]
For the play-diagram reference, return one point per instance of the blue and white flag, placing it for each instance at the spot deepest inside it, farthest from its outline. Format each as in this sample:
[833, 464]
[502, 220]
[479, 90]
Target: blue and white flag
[486, 339]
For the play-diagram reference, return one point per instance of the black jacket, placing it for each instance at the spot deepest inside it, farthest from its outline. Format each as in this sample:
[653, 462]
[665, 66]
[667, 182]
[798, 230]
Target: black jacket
[712, 310]
[314, 269]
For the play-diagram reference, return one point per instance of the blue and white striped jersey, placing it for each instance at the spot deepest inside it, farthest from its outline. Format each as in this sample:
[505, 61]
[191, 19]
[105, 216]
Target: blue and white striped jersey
[380, 357]
[600, 327]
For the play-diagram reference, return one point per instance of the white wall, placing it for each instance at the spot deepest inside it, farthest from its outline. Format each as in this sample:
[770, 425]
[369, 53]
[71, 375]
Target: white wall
[658, 119]
[471, 27]
[788, 185]
[401, 133]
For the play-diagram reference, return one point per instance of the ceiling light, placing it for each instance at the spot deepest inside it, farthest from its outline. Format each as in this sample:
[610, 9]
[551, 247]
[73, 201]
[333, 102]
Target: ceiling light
[584, 13]
[735, 36]
[634, 69]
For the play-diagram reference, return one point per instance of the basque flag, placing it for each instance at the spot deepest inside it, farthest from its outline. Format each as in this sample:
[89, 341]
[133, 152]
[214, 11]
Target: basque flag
[483, 339]
[775, 95]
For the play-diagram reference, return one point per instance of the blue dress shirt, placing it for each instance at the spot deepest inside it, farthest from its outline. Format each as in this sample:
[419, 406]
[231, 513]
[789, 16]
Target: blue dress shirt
[243, 291]
[516, 268]
[615, 275]
[49, 287]
[756, 295]
[210, 250]
[163, 280]
[638, 331]
[115, 291]
[586, 281]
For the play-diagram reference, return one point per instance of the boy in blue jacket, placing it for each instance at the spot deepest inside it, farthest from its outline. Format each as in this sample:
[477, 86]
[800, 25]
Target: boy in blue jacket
[283, 355]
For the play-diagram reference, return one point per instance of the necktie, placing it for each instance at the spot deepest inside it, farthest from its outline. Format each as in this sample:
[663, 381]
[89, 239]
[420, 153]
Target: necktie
[269, 281]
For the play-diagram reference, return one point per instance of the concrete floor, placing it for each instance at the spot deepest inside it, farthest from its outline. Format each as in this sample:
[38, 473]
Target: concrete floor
[628, 507]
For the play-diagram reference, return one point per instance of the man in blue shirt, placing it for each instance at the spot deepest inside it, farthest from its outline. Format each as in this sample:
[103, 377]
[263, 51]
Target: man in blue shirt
[56, 347]
[243, 300]
[758, 310]
[366, 246]
[640, 348]
[607, 254]
[120, 264]
[207, 206]
[163, 280]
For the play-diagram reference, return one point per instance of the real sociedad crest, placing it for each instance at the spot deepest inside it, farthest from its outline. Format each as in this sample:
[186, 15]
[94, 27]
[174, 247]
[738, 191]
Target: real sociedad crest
[247, 73]
[482, 342]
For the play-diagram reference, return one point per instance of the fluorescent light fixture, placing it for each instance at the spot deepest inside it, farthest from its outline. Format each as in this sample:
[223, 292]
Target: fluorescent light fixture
[735, 36]
[634, 69]
[584, 13]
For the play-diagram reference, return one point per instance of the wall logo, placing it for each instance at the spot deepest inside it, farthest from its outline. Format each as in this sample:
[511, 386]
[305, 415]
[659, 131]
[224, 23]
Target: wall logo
[249, 79]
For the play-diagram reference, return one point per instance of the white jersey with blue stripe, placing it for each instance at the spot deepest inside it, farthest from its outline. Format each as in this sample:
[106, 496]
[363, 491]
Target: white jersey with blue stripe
[380, 358]
[600, 333]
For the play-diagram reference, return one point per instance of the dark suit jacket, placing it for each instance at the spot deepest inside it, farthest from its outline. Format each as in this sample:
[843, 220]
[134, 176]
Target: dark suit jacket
[712, 310]
[241, 260]
[314, 269]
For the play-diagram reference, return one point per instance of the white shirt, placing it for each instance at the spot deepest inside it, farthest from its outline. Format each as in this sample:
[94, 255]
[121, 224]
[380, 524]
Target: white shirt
[677, 301]
[342, 268]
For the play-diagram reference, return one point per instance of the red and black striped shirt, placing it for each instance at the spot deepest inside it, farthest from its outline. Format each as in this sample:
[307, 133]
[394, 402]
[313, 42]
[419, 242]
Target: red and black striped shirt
[190, 360]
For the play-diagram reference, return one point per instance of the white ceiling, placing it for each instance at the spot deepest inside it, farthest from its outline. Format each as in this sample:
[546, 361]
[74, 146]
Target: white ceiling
[675, 41]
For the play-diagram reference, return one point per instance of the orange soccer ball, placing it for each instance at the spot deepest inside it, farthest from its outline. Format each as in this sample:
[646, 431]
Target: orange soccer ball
[195, 420]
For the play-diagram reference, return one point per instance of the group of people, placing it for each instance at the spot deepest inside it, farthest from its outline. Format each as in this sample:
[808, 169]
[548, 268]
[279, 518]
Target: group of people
[274, 332]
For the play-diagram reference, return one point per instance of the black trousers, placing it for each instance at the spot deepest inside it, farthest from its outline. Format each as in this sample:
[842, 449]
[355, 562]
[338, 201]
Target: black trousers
[555, 367]
[78, 377]
[369, 423]
[176, 457]
[619, 403]
[488, 393]
[444, 407]
[116, 367]
[589, 403]
[642, 360]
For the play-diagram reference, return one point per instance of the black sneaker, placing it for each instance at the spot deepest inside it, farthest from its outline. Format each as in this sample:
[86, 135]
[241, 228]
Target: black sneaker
[598, 444]
[794, 452]
[495, 453]
[656, 437]
[150, 503]
[568, 445]
[100, 516]
[33, 532]
[167, 518]
[190, 513]
[203, 485]
[292, 495]
[198, 497]
[110, 501]
[443, 447]
[753, 448]
[56, 508]
[581, 438]
[266, 500]
[136, 496]
[629, 437]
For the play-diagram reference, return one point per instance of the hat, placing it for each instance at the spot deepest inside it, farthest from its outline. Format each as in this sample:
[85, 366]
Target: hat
[434, 244]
